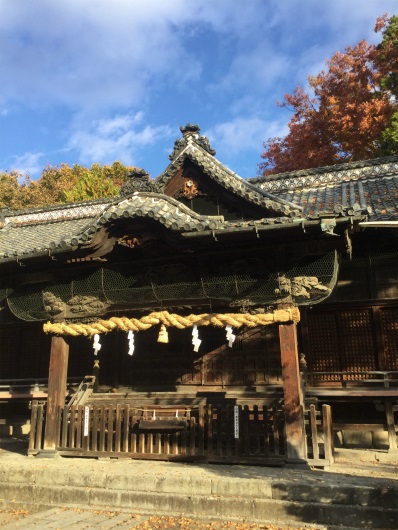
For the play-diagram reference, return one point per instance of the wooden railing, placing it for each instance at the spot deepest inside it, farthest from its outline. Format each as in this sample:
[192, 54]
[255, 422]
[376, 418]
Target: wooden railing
[213, 433]
[223, 433]
[319, 436]
[383, 379]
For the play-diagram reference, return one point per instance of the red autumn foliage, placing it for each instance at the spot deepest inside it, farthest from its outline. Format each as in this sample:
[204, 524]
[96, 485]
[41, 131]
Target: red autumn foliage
[351, 113]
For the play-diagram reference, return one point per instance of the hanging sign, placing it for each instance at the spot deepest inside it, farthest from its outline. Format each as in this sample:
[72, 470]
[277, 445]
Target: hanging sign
[236, 421]
[86, 421]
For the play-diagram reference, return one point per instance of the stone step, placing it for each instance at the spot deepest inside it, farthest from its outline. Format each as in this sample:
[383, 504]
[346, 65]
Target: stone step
[237, 492]
[35, 497]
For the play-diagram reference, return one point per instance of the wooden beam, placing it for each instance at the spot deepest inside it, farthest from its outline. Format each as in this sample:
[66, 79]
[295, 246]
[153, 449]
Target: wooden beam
[56, 389]
[295, 432]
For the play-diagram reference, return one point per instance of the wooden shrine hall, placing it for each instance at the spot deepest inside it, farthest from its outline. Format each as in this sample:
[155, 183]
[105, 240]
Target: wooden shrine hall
[201, 316]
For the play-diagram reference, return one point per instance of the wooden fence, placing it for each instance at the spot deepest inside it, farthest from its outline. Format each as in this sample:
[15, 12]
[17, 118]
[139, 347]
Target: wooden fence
[210, 433]
[319, 436]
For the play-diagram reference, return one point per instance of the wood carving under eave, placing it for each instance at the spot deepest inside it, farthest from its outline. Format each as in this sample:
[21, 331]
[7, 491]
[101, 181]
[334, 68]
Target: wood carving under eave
[136, 240]
[102, 244]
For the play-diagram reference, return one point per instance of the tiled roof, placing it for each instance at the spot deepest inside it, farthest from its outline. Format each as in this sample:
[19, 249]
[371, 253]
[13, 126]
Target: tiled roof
[57, 229]
[38, 237]
[371, 184]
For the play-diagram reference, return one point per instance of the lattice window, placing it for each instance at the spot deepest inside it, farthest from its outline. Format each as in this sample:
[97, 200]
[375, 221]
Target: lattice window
[389, 324]
[323, 354]
[341, 341]
[358, 348]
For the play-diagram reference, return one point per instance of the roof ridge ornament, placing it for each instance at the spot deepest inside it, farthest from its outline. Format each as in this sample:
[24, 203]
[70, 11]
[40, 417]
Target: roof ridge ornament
[191, 133]
[139, 180]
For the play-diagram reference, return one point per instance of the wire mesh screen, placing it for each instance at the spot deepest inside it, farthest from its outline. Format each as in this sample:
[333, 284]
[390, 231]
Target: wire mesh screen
[251, 284]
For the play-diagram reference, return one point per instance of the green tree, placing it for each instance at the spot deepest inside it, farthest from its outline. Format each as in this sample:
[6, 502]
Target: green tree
[60, 184]
[352, 113]
[13, 193]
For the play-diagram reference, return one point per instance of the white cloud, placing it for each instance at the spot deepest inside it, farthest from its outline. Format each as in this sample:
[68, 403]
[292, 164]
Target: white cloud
[116, 138]
[100, 54]
[244, 134]
[28, 163]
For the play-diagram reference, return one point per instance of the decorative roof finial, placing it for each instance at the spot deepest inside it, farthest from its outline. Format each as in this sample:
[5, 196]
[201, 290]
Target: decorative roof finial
[139, 181]
[191, 133]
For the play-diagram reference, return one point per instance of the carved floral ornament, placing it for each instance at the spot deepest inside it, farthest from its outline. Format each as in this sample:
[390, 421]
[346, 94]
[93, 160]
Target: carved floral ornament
[190, 189]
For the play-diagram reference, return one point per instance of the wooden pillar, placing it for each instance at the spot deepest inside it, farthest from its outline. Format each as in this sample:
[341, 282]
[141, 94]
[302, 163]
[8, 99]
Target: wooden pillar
[294, 414]
[56, 389]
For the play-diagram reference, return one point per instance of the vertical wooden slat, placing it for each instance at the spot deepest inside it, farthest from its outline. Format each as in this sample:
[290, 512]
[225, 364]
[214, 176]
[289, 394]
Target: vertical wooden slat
[109, 437]
[79, 422]
[183, 439]
[126, 427]
[150, 438]
[33, 426]
[166, 444]
[192, 435]
[175, 439]
[158, 443]
[328, 432]
[133, 447]
[102, 421]
[141, 442]
[72, 414]
[314, 432]
[39, 429]
[94, 429]
[246, 430]
[266, 430]
[229, 429]
[209, 429]
[275, 430]
[133, 427]
[201, 430]
[256, 431]
[118, 425]
[219, 434]
[65, 417]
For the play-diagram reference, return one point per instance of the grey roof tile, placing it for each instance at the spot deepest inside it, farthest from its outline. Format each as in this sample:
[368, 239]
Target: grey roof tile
[371, 184]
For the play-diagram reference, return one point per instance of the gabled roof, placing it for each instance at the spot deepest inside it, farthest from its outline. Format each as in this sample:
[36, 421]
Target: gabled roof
[197, 150]
[369, 184]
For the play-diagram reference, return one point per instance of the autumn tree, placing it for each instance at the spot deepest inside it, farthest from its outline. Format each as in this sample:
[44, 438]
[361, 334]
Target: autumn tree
[60, 184]
[350, 111]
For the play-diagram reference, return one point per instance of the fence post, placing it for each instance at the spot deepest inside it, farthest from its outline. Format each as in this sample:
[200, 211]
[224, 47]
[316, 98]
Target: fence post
[328, 432]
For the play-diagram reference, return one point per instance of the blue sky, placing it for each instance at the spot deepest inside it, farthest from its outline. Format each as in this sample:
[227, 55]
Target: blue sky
[85, 81]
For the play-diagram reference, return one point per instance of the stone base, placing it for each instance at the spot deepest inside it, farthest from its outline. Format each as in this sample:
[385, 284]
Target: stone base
[48, 453]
